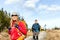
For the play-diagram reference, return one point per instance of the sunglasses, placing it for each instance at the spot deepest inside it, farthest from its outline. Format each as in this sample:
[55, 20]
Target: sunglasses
[14, 15]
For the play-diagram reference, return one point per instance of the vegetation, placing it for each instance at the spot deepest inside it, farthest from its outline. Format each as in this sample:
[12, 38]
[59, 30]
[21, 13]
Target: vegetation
[4, 20]
[56, 28]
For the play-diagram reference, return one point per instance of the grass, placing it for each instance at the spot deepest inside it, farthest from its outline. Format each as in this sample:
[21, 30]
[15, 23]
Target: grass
[51, 35]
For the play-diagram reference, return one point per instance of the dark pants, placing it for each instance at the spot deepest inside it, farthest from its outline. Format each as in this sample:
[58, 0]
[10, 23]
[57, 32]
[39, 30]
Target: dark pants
[35, 35]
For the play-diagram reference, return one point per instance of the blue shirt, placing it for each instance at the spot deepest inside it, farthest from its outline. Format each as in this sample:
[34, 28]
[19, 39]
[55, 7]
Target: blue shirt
[36, 27]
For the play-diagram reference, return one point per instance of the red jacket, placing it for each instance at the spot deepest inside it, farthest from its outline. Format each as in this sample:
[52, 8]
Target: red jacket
[14, 34]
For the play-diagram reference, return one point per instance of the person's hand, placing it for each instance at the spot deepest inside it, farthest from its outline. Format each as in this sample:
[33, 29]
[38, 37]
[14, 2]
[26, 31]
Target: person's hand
[9, 28]
[16, 25]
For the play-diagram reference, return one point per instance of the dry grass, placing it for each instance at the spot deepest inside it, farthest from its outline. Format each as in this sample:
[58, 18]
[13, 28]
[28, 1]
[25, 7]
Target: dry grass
[53, 35]
[4, 36]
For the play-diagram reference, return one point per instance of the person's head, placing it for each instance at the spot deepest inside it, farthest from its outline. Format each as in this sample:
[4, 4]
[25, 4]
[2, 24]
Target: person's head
[36, 21]
[14, 16]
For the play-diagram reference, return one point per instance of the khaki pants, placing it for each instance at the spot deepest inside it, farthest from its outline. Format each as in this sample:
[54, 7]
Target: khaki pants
[35, 35]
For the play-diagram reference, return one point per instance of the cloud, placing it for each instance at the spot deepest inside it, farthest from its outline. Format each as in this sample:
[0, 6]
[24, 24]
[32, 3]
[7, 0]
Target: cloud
[11, 1]
[46, 9]
[54, 7]
[42, 6]
[49, 8]
[31, 3]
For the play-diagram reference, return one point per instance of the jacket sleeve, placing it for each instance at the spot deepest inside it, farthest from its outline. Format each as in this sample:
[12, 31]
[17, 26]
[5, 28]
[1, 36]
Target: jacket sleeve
[9, 30]
[33, 27]
[39, 27]
[23, 28]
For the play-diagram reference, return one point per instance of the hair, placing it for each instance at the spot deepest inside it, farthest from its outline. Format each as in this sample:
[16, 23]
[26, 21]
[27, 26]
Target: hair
[35, 19]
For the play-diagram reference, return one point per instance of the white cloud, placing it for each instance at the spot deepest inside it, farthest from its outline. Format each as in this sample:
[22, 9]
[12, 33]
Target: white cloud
[49, 8]
[11, 1]
[42, 6]
[31, 3]
[54, 7]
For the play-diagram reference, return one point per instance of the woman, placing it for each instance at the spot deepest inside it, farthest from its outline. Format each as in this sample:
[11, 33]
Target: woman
[18, 29]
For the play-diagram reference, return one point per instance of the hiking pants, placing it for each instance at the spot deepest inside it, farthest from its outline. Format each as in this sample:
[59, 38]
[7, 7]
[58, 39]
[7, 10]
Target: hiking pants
[35, 35]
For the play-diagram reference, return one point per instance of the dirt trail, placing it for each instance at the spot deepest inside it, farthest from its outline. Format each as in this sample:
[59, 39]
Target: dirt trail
[42, 36]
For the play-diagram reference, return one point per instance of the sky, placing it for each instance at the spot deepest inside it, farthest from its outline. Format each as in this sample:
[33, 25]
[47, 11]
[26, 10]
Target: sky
[45, 11]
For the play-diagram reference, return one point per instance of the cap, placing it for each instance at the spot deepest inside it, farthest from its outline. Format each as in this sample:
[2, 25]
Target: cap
[14, 13]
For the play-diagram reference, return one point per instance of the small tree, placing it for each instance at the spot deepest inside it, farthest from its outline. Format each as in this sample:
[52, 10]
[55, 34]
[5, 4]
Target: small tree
[4, 20]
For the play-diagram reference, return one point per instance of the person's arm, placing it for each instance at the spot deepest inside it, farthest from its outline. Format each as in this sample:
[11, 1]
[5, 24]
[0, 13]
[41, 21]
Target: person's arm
[39, 27]
[23, 28]
[9, 30]
[32, 28]
[11, 21]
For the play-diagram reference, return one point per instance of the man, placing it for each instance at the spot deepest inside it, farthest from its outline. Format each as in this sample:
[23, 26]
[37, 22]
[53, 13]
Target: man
[35, 30]
[17, 28]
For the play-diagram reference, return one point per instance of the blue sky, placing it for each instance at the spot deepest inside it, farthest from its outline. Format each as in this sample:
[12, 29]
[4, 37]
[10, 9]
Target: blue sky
[46, 11]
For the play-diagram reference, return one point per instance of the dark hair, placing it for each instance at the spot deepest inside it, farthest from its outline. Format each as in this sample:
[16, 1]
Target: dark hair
[35, 19]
